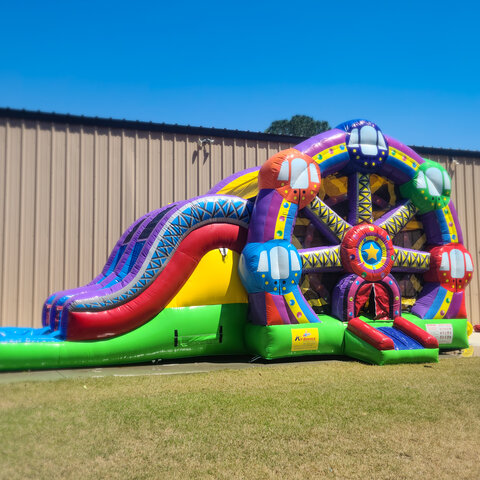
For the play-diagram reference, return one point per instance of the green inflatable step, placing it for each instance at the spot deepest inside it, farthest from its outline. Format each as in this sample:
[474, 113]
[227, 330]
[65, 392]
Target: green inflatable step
[361, 350]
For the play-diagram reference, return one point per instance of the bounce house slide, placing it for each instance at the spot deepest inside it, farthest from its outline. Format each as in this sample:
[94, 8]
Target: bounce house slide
[400, 342]
[348, 244]
[113, 310]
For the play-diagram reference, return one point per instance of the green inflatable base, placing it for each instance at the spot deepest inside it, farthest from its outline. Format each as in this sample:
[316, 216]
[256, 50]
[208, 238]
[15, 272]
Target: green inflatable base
[451, 333]
[173, 333]
[283, 341]
[330, 337]
[223, 330]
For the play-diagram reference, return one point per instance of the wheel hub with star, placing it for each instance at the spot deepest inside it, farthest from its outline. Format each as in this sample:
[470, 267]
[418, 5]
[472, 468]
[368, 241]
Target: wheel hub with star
[367, 250]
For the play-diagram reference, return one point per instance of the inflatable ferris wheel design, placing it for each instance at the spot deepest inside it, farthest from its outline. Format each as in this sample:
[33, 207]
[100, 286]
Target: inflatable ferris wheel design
[360, 246]
[350, 214]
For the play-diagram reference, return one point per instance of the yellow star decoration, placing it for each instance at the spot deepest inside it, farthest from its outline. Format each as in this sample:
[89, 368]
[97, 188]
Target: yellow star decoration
[372, 252]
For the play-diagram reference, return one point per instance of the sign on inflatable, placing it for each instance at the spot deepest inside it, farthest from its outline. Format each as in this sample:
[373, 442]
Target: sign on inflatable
[347, 244]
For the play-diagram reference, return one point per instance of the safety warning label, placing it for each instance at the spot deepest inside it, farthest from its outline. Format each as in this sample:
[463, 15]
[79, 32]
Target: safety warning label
[443, 332]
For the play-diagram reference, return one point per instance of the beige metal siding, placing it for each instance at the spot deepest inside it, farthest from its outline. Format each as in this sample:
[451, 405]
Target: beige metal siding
[68, 192]
[465, 173]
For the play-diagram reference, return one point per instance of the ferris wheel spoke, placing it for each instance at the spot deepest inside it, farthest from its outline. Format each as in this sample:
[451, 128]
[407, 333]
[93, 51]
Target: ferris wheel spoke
[360, 198]
[412, 261]
[396, 219]
[321, 259]
[332, 225]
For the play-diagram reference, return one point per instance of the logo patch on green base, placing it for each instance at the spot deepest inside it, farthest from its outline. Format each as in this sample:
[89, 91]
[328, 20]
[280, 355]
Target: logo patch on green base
[304, 339]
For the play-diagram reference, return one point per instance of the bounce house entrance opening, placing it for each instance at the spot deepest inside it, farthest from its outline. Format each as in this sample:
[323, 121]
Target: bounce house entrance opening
[374, 301]
[368, 309]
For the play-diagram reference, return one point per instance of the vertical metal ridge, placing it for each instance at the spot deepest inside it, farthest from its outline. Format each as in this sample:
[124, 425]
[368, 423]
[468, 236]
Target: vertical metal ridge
[174, 163]
[93, 238]
[149, 169]
[3, 180]
[211, 165]
[50, 201]
[81, 212]
[199, 161]
[20, 223]
[132, 164]
[189, 170]
[67, 150]
[122, 185]
[473, 291]
[245, 154]
[36, 209]
[108, 219]
[154, 172]
[133, 195]
[12, 224]
[107, 187]
[101, 208]
[470, 229]
[234, 155]
[4, 272]
[162, 167]
[222, 160]
[42, 213]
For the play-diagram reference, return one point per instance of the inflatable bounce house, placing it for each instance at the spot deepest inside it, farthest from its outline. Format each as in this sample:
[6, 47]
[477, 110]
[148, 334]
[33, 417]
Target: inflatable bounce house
[348, 245]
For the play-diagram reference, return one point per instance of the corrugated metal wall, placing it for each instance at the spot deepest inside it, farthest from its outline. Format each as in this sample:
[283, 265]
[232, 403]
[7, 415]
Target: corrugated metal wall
[465, 173]
[70, 191]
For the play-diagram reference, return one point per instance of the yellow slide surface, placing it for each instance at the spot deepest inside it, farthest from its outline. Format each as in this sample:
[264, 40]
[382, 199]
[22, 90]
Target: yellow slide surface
[215, 281]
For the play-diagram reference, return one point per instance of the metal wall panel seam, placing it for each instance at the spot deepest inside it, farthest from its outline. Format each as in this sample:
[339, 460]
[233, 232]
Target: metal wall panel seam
[94, 201]
[81, 211]
[12, 192]
[42, 212]
[471, 213]
[174, 164]
[19, 289]
[50, 216]
[3, 166]
[149, 169]
[3, 272]
[37, 211]
[65, 171]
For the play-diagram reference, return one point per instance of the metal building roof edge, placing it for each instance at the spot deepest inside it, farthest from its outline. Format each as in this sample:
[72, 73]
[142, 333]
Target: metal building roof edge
[144, 126]
[70, 119]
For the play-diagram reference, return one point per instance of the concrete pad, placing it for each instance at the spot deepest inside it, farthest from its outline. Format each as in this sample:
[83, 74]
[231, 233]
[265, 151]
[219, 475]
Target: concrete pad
[474, 339]
[125, 371]
[472, 351]
[179, 367]
[43, 375]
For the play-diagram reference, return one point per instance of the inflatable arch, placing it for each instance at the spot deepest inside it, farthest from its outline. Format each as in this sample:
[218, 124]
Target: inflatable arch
[347, 244]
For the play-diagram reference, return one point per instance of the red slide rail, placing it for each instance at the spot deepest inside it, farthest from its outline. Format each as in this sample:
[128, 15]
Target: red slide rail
[95, 325]
[417, 333]
[370, 334]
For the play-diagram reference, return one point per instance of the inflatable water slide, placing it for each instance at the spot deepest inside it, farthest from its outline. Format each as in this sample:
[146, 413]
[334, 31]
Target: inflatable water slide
[347, 244]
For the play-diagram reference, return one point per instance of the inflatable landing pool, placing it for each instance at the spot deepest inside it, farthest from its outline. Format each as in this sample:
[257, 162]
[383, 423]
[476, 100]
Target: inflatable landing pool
[347, 244]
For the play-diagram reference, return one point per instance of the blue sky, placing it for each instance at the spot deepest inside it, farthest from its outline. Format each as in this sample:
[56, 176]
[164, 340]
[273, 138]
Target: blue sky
[411, 67]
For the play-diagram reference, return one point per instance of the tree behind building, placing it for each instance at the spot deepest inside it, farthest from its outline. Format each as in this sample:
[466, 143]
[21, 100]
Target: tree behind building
[298, 126]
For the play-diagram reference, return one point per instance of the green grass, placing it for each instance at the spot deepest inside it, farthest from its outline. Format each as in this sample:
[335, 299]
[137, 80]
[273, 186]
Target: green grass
[297, 421]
